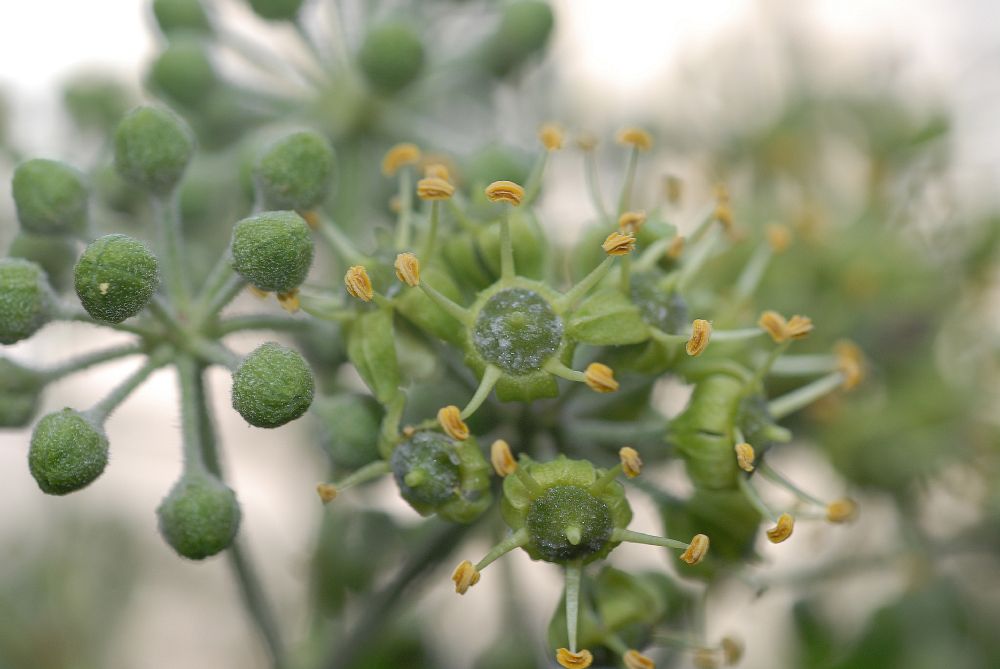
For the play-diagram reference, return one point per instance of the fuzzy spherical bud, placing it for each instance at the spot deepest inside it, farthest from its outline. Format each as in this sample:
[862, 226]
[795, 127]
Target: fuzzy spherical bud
[276, 10]
[273, 250]
[115, 277]
[68, 452]
[55, 255]
[183, 73]
[26, 299]
[181, 16]
[199, 517]
[19, 393]
[524, 30]
[96, 102]
[152, 149]
[349, 428]
[272, 386]
[51, 198]
[391, 57]
[296, 172]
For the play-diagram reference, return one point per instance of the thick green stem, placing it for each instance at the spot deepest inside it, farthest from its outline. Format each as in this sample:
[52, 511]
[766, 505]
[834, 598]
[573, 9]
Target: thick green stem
[234, 284]
[172, 265]
[88, 360]
[260, 322]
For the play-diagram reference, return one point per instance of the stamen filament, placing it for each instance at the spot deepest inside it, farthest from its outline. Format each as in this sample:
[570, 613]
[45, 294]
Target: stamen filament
[755, 499]
[807, 394]
[593, 184]
[528, 481]
[491, 375]
[632, 537]
[516, 540]
[534, 184]
[369, 472]
[736, 335]
[626, 195]
[341, 244]
[696, 259]
[577, 292]
[427, 249]
[460, 314]
[804, 364]
[556, 367]
[405, 215]
[598, 486]
[768, 472]
[752, 273]
[574, 572]
[506, 248]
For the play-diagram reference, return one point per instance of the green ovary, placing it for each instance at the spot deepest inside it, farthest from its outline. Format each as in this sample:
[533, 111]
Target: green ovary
[517, 331]
[568, 523]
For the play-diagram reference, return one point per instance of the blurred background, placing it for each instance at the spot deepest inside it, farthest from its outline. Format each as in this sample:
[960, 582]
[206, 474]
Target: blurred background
[870, 128]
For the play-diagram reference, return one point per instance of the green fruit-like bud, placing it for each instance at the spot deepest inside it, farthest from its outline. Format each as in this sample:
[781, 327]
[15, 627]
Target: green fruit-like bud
[181, 16]
[391, 57]
[660, 308]
[276, 10]
[517, 330]
[296, 172]
[19, 391]
[524, 30]
[68, 452]
[51, 198]
[26, 299]
[152, 149]
[350, 428]
[272, 386]
[96, 102]
[56, 255]
[115, 277]
[568, 520]
[184, 73]
[199, 517]
[437, 474]
[273, 250]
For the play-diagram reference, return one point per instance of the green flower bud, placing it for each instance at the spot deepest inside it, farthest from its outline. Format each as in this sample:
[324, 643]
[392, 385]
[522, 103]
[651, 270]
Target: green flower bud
[437, 474]
[181, 16]
[19, 393]
[349, 428]
[152, 149]
[199, 517]
[567, 519]
[296, 172]
[524, 30]
[68, 452]
[55, 255]
[276, 10]
[183, 73]
[96, 102]
[391, 57]
[273, 250]
[51, 198]
[517, 330]
[115, 277]
[272, 386]
[26, 299]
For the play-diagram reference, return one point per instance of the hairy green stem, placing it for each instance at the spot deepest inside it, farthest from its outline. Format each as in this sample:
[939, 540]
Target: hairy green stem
[100, 411]
[88, 360]
[260, 322]
[167, 215]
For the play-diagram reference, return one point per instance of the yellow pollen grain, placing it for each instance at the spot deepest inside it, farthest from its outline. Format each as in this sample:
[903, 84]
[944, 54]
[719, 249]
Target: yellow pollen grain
[434, 188]
[327, 492]
[437, 171]
[505, 191]
[600, 378]
[799, 327]
[842, 510]
[103, 287]
[358, 283]
[724, 215]
[465, 576]
[696, 550]
[290, 301]
[782, 529]
[850, 363]
[745, 456]
[570, 660]
[409, 431]
[399, 156]
[631, 222]
[635, 137]
[631, 462]
[257, 292]
[311, 218]
[407, 268]
[701, 334]
[451, 421]
[633, 659]
[502, 459]
[773, 324]
[617, 244]
[551, 136]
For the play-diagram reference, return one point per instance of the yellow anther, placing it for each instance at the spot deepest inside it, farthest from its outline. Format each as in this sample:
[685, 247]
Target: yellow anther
[724, 215]
[437, 171]
[721, 192]
[551, 136]
[799, 327]
[600, 378]
[358, 283]
[631, 222]
[586, 141]
[327, 492]
[289, 301]
[399, 156]
[311, 218]
[779, 237]
[502, 459]
[842, 510]
[465, 576]
[706, 658]
[636, 137]
[782, 530]
[450, 419]
[434, 188]
[781, 330]
[676, 248]
[505, 191]
[850, 363]
[618, 244]
[732, 650]
[631, 462]
[409, 431]
[745, 456]
[257, 292]
[696, 550]
[633, 659]
[408, 269]
[674, 187]
[701, 333]
[570, 660]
